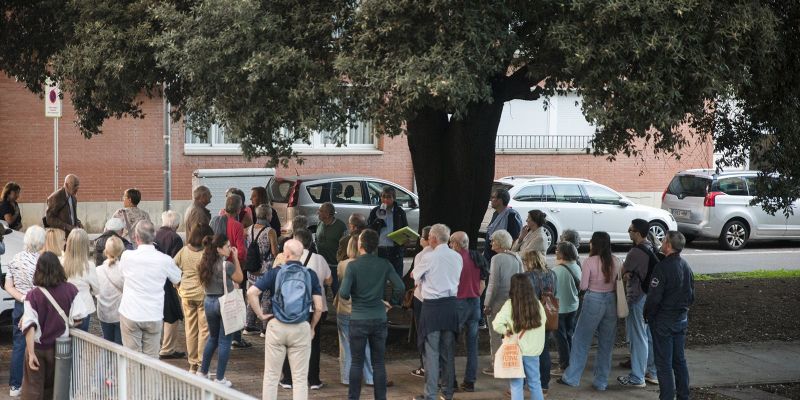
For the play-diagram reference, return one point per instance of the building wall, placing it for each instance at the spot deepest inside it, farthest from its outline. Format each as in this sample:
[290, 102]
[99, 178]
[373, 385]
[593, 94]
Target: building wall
[130, 154]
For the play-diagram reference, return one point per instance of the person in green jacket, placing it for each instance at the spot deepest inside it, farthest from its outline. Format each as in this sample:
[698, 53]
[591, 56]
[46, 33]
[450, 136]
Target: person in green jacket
[523, 315]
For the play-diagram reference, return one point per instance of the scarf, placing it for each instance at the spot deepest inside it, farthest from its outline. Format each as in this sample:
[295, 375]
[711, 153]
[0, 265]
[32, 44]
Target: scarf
[500, 221]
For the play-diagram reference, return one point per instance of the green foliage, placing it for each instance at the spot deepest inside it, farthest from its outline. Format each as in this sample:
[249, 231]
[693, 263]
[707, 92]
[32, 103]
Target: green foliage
[757, 274]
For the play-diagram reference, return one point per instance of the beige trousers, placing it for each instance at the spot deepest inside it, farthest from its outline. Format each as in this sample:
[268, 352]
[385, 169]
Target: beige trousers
[194, 323]
[279, 340]
[141, 336]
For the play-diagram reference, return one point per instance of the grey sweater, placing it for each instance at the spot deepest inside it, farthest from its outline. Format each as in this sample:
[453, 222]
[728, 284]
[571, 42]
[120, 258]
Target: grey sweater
[503, 267]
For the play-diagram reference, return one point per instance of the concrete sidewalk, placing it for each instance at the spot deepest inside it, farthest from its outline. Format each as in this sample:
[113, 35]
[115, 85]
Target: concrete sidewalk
[724, 365]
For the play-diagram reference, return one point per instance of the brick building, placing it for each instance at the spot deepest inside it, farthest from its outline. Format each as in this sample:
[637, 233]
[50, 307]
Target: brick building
[130, 153]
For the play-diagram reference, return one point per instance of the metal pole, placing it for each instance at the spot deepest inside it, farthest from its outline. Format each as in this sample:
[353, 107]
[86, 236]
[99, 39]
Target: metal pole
[55, 154]
[63, 372]
[167, 147]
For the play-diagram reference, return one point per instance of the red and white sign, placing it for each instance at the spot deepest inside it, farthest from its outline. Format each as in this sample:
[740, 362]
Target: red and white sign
[52, 100]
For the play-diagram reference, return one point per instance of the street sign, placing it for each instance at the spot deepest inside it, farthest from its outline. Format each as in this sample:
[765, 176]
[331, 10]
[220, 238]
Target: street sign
[52, 100]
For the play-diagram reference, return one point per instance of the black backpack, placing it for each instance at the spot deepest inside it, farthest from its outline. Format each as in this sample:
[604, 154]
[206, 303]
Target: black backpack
[653, 259]
[254, 259]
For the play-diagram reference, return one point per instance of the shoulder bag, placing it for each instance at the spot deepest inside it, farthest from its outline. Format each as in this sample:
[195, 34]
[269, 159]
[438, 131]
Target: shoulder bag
[550, 304]
[231, 307]
[67, 321]
[622, 301]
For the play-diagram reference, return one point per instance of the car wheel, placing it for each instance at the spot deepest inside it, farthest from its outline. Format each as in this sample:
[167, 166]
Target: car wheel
[550, 238]
[658, 231]
[734, 235]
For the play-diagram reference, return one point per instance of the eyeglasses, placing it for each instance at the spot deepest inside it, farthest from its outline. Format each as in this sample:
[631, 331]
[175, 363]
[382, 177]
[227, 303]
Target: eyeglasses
[631, 230]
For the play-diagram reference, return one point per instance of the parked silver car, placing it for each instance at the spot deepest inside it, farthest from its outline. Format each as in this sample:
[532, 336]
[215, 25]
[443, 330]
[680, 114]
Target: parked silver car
[580, 204]
[717, 205]
[293, 195]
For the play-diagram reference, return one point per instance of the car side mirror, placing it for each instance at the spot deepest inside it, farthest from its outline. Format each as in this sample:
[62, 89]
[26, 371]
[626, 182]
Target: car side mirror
[625, 203]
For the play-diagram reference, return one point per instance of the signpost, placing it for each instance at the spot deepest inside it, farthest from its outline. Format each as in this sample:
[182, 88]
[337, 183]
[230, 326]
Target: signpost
[52, 109]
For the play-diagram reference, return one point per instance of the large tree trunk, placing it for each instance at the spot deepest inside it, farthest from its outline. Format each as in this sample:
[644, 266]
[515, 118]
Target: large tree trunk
[454, 165]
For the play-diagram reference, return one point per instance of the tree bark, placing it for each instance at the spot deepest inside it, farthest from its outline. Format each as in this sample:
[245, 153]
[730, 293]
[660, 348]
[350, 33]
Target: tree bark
[453, 163]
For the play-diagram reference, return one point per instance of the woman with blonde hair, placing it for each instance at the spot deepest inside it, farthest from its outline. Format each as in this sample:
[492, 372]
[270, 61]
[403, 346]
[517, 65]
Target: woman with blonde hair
[81, 271]
[54, 241]
[542, 279]
[109, 278]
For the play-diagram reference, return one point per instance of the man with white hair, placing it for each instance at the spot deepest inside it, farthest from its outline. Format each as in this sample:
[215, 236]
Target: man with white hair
[62, 207]
[141, 309]
[438, 277]
[282, 336]
[114, 227]
[169, 242]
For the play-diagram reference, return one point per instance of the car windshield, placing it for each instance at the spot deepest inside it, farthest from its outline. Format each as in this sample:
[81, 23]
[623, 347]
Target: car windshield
[689, 185]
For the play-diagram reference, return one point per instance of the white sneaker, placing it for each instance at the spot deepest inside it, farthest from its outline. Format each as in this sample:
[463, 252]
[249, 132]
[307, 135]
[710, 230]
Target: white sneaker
[15, 391]
[224, 382]
[201, 374]
[262, 334]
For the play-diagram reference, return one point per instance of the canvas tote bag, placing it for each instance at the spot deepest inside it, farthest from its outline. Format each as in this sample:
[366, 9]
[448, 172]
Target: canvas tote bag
[231, 307]
[508, 359]
[622, 301]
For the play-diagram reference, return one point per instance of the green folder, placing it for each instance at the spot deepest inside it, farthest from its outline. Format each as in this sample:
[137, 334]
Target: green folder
[403, 235]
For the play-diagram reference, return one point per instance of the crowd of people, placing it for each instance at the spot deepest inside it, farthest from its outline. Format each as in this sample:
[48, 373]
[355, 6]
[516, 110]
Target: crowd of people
[141, 281]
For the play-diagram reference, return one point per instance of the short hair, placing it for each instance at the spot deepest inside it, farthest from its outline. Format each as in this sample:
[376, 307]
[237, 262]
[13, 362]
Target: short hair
[9, 188]
[441, 232]
[263, 211]
[236, 191]
[533, 261]
[368, 240]
[113, 249]
[261, 194]
[170, 219]
[200, 191]
[115, 224]
[538, 217]
[502, 238]
[676, 241]
[303, 236]
[299, 222]
[34, 239]
[390, 191]
[503, 195]
[461, 238]
[198, 233]
[144, 231]
[567, 251]
[358, 221]
[328, 206]
[134, 195]
[294, 247]
[233, 204]
[49, 272]
[425, 233]
[571, 236]
[641, 226]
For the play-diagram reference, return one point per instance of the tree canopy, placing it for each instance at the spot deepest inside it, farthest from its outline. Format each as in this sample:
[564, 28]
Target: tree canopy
[271, 72]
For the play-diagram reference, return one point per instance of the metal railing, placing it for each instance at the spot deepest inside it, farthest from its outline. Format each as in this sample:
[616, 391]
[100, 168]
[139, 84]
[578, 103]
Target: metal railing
[544, 142]
[104, 370]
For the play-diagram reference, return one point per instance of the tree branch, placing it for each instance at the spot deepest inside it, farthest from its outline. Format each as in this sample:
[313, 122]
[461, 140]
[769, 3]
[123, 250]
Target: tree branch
[518, 86]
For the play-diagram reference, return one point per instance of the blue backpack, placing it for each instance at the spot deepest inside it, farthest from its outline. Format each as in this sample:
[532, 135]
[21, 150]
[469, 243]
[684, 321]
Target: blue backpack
[292, 300]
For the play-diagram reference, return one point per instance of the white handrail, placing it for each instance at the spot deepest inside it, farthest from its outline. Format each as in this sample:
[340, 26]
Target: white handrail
[103, 369]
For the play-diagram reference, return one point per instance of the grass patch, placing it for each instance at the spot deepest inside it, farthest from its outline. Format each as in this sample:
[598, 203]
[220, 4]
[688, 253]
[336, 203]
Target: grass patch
[757, 274]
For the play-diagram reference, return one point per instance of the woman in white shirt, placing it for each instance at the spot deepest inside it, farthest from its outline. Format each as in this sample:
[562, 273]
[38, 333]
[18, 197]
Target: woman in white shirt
[110, 281]
[81, 271]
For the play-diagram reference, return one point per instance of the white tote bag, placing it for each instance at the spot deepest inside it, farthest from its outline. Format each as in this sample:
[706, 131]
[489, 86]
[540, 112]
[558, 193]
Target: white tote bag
[231, 307]
[622, 300]
[508, 359]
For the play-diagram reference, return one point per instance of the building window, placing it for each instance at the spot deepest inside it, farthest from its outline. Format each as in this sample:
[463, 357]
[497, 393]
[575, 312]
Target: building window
[528, 126]
[359, 137]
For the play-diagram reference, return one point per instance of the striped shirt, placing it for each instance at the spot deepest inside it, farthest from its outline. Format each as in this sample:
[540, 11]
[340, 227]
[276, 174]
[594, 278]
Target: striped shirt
[21, 269]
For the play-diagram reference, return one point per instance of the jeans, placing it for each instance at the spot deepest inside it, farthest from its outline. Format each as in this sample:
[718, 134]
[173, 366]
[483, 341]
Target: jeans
[638, 334]
[216, 338]
[343, 323]
[566, 328]
[313, 362]
[469, 313]
[372, 332]
[439, 353]
[598, 314]
[84, 325]
[531, 366]
[669, 340]
[18, 348]
[111, 332]
[544, 363]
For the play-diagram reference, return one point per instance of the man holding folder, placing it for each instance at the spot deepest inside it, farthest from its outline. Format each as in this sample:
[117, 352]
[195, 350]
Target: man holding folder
[385, 219]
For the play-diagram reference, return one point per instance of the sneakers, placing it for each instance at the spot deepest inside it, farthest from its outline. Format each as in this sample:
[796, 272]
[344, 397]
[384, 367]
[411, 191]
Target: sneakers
[250, 331]
[262, 334]
[223, 382]
[201, 374]
[556, 371]
[241, 344]
[627, 381]
[649, 378]
[15, 391]
[419, 372]
[482, 324]
[316, 386]
[285, 385]
[488, 371]
[468, 387]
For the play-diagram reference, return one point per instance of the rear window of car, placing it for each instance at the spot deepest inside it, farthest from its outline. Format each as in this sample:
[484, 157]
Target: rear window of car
[689, 185]
[535, 193]
[279, 190]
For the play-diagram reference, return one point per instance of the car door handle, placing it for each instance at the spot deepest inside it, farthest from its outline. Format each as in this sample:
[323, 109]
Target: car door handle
[555, 210]
[597, 212]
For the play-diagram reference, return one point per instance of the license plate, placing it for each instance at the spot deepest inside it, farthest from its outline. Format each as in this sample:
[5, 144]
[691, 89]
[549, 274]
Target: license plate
[681, 213]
